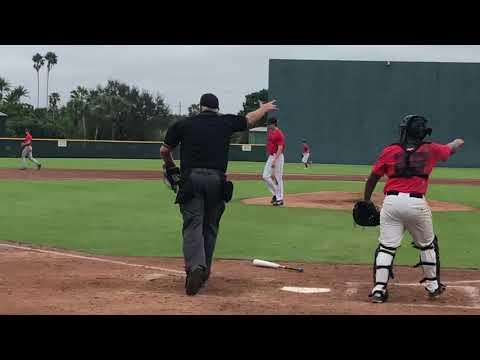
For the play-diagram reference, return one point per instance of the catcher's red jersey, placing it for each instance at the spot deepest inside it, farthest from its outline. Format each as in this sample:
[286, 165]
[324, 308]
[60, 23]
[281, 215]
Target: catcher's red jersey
[423, 160]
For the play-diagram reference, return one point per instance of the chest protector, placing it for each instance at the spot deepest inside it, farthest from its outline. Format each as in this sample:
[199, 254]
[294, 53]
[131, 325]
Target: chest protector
[409, 162]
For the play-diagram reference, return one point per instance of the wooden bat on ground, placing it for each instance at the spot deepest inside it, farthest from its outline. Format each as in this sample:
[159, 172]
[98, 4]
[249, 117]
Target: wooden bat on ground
[269, 264]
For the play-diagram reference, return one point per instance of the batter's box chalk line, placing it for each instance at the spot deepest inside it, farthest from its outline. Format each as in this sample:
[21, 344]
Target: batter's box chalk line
[92, 258]
[472, 292]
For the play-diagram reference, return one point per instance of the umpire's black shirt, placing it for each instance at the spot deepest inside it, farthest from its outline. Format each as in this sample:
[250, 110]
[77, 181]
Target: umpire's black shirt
[204, 139]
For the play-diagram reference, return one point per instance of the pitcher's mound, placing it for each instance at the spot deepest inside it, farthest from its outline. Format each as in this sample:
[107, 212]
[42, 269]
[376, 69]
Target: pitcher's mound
[338, 200]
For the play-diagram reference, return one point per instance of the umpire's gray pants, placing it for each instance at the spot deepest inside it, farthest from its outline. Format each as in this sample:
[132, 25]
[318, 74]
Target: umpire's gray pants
[201, 218]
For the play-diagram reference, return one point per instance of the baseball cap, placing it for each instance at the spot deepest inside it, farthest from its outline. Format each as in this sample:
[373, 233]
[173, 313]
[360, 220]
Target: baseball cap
[272, 120]
[209, 100]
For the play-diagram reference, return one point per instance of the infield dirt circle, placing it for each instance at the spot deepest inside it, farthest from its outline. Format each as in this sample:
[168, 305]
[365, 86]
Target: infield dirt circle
[338, 200]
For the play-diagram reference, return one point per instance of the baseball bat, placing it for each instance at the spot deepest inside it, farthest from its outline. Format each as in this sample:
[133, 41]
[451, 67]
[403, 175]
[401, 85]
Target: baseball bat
[269, 264]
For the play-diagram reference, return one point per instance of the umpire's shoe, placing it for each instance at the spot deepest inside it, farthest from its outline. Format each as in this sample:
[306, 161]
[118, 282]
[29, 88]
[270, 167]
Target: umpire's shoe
[379, 297]
[205, 277]
[194, 280]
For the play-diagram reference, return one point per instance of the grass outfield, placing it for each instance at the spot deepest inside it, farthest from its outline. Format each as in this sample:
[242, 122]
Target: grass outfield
[234, 166]
[139, 218]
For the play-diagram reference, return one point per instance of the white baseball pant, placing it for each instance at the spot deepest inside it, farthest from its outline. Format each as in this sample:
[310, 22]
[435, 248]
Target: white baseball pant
[27, 154]
[402, 213]
[277, 173]
[305, 157]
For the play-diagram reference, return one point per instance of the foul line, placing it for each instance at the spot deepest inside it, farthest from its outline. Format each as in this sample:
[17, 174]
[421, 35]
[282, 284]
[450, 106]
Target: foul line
[60, 253]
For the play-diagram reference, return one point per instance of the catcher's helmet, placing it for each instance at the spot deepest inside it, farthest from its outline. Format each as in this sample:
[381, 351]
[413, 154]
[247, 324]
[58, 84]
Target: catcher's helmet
[405, 128]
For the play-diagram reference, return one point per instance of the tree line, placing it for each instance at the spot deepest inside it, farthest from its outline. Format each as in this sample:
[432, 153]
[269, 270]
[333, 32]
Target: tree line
[113, 111]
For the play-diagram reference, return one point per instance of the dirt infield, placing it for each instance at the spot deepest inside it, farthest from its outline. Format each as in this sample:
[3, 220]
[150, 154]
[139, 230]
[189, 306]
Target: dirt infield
[71, 174]
[54, 282]
[338, 200]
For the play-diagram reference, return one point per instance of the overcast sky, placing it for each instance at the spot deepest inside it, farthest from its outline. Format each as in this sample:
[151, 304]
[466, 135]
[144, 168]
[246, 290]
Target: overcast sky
[183, 73]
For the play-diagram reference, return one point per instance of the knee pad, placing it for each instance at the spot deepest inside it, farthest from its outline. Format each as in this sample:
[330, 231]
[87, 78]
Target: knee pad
[383, 266]
[430, 262]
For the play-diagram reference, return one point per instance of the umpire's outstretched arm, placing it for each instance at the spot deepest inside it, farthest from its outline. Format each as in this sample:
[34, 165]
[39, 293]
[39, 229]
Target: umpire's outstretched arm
[252, 118]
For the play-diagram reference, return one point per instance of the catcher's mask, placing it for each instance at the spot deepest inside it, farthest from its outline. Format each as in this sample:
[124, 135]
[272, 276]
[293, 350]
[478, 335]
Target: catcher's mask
[414, 126]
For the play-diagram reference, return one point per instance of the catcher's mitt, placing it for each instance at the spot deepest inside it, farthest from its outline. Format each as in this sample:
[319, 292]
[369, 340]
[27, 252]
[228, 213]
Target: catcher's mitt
[365, 213]
[171, 177]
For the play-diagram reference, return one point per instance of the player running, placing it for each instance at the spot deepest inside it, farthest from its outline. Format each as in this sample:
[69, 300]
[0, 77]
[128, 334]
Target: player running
[305, 153]
[27, 151]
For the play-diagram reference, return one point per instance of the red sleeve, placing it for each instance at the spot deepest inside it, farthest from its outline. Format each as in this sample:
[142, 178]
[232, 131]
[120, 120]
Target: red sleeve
[279, 138]
[379, 168]
[440, 152]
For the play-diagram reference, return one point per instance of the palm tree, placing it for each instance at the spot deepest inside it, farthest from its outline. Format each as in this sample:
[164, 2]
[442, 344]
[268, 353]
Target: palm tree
[38, 62]
[51, 58]
[54, 99]
[16, 94]
[79, 98]
[4, 88]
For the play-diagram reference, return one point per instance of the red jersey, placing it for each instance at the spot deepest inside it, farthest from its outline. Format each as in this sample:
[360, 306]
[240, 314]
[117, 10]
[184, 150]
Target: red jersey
[28, 139]
[306, 148]
[274, 139]
[392, 160]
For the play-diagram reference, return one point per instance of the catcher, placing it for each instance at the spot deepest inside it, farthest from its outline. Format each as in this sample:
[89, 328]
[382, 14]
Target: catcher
[408, 165]
[200, 183]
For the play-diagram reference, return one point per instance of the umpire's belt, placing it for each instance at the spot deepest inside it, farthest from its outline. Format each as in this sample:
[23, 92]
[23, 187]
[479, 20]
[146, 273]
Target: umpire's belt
[414, 195]
[205, 171]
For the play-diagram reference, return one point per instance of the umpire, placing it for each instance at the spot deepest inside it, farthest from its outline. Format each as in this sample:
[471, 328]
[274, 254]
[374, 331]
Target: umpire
[204, 142]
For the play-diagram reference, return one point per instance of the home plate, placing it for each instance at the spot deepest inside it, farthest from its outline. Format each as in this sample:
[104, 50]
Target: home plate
[305, 290]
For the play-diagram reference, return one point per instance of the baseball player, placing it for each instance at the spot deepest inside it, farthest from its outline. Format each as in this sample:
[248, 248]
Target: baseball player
[27, 151]
[408, 165]
[273, 171]
[305, 153]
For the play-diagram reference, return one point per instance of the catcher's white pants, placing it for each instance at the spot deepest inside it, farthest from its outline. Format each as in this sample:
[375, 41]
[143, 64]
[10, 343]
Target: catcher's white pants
[277, 172]
[402, 212]
[305, 157]
[27, 154]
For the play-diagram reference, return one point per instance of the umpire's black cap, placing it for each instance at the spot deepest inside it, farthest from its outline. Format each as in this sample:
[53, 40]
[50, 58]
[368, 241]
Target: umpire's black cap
[209, 100]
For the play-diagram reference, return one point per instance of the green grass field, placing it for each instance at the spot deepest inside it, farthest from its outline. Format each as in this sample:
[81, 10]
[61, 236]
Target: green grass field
[234, 166]
[139, 218]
